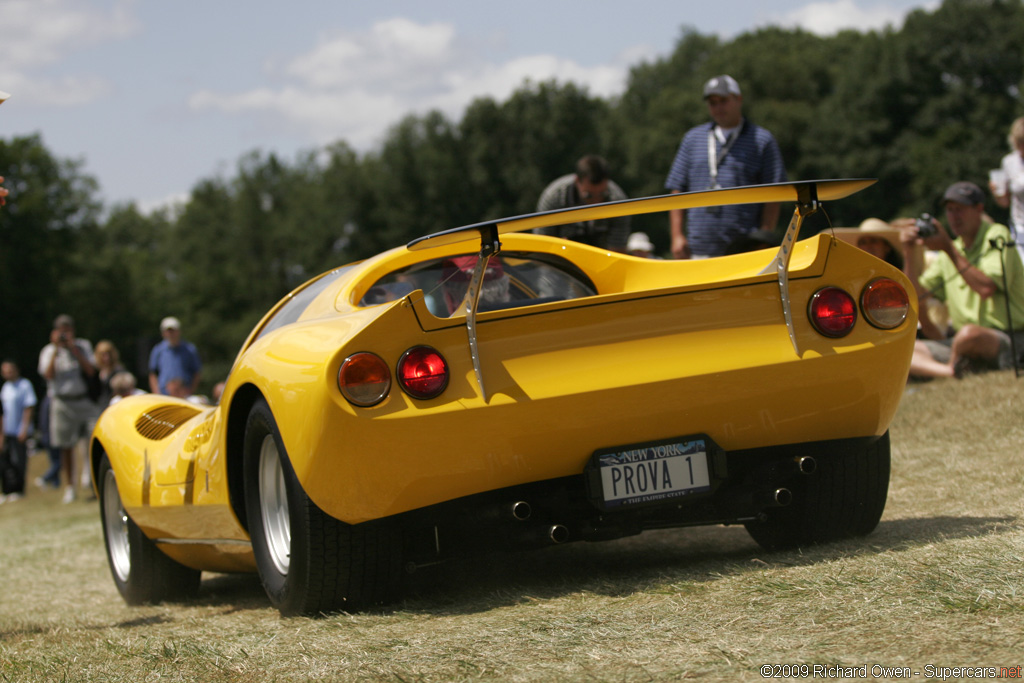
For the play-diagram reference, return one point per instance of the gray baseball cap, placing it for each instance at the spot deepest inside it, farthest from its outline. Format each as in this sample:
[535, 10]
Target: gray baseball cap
[721, 85]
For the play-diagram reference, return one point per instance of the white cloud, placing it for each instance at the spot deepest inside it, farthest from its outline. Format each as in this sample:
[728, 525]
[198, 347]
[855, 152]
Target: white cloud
[354, 85]
[396, 53]
[831, 16]
[35, 34]
[174, 204]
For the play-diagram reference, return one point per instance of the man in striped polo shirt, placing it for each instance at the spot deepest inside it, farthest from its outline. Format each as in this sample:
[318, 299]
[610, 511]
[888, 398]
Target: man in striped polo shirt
[728, 151]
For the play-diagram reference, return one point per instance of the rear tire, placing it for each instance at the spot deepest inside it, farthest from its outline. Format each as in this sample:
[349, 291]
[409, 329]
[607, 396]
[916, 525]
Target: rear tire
[309, 562]
[844, 498]
[142, 573]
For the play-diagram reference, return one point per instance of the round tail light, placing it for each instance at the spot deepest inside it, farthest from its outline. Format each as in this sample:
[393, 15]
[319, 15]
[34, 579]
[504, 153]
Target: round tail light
[885, 303]
[364, 379]
[833, 312]
[422, 372]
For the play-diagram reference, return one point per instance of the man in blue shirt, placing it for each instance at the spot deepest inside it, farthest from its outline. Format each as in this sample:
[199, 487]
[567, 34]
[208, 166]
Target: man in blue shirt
[173, 358]
[728, 151]
[19, 400]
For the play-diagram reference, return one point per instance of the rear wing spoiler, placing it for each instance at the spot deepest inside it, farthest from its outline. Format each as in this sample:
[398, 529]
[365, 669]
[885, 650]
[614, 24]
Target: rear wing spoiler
[807, 194]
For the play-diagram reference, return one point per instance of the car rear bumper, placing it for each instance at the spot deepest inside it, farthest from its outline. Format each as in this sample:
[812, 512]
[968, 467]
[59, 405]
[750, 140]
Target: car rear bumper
[744, 485]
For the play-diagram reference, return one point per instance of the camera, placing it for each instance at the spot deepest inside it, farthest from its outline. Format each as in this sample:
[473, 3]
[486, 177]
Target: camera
[925, 227]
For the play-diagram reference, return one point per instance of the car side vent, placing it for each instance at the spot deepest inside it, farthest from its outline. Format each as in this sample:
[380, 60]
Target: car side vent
[160, 422]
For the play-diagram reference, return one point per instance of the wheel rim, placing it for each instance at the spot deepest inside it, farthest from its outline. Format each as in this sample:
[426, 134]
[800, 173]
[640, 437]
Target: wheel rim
[274, 505]
[115, 521]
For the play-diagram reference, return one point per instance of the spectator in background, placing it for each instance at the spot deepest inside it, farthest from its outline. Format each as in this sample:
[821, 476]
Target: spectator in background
[755, 240]
[218, 391]
[590, 184]
[3, 192]
[640, 245]
[19, 400]
[108, 364]
[173, 358]
[879, 239]
[177, 388]
[67, 364]
[728, 151]
[122, 385]
[968, 277]
[1008, 190]
[51, 478]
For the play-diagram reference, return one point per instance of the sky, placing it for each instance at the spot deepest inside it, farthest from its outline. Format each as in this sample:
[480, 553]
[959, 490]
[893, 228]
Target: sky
[153, 97]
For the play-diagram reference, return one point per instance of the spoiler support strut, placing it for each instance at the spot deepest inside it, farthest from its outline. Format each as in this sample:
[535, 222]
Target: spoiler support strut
[490, 245]
[806, 204]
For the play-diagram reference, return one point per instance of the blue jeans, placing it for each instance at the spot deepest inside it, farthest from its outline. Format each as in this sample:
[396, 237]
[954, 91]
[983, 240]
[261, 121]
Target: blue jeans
[52, 476]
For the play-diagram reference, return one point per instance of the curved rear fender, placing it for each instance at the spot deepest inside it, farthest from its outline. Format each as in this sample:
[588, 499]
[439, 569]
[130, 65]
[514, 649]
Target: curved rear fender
[241, 404]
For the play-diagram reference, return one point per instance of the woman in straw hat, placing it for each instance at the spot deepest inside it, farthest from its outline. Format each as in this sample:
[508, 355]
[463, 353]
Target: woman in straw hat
[876, 237]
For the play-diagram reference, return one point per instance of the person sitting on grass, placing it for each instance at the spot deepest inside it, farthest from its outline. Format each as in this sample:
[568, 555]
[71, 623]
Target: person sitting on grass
[968, 275]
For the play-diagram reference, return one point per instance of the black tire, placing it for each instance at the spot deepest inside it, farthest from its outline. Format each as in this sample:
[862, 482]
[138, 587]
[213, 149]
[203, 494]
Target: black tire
[844, 498]
[309, 562]
[142, 573]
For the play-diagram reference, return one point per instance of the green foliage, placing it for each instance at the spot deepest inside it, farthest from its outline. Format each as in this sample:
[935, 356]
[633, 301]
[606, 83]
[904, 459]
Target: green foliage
[48, 223]
[917, 107]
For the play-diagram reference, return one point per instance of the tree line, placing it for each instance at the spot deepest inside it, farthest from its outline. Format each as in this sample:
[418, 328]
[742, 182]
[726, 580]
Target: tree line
[917, 107]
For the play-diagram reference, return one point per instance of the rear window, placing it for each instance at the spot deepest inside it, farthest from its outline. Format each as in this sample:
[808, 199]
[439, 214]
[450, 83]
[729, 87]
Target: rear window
[296, 305]
[512, 279]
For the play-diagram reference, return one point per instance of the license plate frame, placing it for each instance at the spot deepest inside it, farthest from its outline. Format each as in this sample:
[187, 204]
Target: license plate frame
[653, 472]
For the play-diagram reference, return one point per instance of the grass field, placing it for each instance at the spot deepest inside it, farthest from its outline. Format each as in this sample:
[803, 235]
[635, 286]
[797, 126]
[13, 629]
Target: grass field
[939, 584]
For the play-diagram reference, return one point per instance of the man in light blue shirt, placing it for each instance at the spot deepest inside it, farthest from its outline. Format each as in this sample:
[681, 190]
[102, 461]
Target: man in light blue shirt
[19, 399]
[173, 358]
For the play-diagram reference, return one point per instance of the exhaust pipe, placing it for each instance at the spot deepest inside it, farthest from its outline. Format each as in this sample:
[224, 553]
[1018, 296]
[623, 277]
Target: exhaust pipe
[521, 510]
[805, 464]
[779, 498]
[558, 533]
[517, 510]
[782, 497]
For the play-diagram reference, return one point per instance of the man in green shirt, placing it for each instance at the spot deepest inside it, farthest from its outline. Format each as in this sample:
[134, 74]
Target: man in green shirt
[967, 275]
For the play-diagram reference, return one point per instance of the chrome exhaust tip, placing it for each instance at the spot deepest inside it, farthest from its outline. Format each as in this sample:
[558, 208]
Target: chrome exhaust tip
[521, 510]
[558, 533]
[806, 464]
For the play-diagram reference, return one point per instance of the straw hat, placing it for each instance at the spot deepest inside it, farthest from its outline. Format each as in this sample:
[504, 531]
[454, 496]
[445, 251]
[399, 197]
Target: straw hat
[871, 227]
[875, 227]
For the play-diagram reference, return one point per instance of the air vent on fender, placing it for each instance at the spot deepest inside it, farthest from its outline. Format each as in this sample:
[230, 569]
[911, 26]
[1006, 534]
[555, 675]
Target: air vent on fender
[162, 421]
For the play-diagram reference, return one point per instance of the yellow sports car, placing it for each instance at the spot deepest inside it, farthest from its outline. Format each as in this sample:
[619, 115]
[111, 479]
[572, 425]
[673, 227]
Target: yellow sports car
[488, 388]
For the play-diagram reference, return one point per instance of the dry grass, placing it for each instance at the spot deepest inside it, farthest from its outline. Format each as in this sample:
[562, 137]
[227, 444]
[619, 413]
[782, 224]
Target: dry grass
[941, 582]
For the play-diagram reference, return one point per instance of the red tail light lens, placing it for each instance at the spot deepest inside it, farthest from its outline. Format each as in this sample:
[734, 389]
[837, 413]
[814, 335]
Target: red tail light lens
[422, 372]
[364, 379]
[885, 303]
[833, 312]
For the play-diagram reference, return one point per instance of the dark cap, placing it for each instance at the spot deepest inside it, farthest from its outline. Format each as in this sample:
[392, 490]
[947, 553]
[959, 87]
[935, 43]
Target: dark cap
[964, 193]
[721, 85]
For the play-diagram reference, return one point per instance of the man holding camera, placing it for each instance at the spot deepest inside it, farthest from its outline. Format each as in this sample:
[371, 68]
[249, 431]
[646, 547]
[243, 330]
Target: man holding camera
[980, 278]
[67, 364]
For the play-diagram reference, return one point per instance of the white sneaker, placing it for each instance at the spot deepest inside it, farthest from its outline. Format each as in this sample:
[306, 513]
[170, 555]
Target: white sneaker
[69, 494]
[3, 499]
[11, 497]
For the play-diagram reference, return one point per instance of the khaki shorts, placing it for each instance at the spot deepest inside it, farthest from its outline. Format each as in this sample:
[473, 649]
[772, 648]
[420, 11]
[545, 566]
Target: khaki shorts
[71, 420]
[942, 351]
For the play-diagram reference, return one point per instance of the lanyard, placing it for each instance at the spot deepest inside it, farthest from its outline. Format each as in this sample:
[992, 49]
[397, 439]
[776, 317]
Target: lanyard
[715, 160]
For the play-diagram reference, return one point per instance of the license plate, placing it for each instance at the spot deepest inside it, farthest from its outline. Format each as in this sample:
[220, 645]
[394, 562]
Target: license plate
[652, 473]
